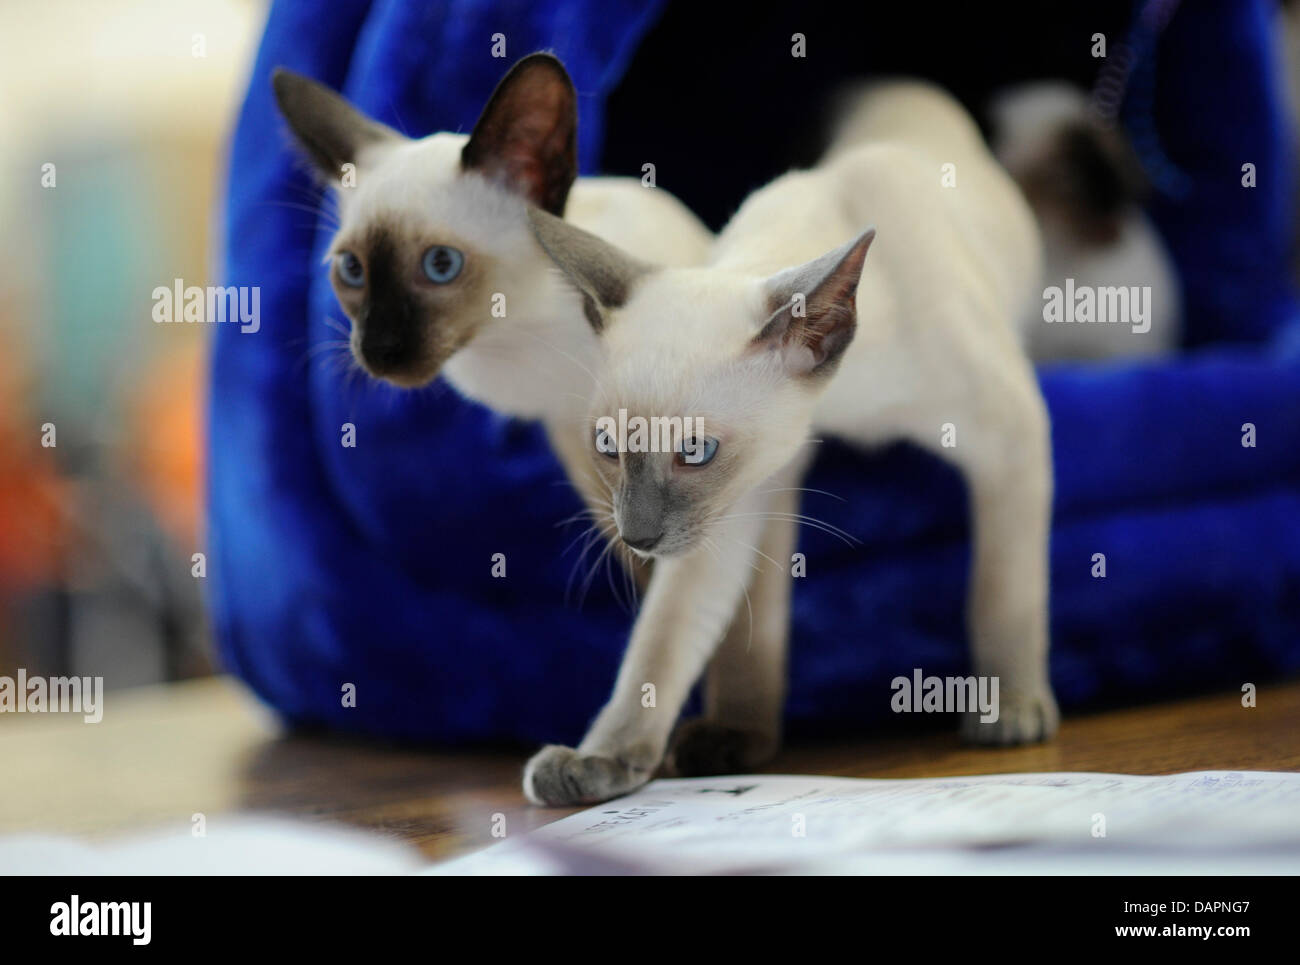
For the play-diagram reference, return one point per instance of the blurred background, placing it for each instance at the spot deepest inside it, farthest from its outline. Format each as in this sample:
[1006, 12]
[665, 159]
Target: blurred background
[130, 101]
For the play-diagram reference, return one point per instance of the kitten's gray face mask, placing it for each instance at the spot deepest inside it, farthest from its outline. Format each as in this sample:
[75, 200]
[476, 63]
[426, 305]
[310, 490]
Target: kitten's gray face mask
[663, 502]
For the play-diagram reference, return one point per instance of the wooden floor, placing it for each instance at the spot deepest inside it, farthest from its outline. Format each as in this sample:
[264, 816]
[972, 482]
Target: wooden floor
[162, 754]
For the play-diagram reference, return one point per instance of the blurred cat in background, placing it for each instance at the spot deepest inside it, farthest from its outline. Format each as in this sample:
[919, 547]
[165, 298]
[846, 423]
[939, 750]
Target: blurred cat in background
[1086, 188]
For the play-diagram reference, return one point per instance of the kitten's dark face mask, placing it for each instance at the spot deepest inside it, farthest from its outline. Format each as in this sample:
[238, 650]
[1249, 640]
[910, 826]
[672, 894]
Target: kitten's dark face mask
[409, 300]
[416, 295]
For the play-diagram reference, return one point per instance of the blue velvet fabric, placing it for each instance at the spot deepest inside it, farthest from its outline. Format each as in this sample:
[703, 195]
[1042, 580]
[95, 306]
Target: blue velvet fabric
[371, 565]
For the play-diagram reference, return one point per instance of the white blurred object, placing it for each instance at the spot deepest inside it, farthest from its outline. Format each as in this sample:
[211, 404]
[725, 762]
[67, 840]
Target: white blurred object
[237, 846]
[1085, 185]
[1205, 822]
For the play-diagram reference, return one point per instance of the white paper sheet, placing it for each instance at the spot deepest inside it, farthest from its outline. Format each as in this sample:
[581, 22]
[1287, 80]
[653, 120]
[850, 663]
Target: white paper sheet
[1207, 822]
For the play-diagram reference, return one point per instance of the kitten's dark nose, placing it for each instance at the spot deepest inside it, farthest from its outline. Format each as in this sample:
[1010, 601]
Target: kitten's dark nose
[384, 355]
[390, 330]
[642, 542]
[385, 351]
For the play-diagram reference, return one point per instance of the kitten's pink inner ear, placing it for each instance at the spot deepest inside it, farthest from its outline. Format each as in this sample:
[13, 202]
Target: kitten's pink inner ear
[535, 154]
[527, 136]
[839, 290]
[825, 327]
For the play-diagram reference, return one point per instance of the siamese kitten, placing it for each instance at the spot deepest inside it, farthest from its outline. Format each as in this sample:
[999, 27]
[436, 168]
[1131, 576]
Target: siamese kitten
[1086, 187]
[435, 264]
[914, 342]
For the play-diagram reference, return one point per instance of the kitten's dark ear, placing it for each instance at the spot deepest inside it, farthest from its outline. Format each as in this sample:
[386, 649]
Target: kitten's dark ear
[328, 128]
[602, 274]
[527, 136]
[814, 309]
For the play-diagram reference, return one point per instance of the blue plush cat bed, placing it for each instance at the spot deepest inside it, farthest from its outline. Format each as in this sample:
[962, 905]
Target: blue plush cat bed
[372, 565]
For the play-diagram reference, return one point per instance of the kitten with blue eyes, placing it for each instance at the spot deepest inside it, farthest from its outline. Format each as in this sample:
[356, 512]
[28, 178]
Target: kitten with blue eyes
[916, 342]
[434, 262]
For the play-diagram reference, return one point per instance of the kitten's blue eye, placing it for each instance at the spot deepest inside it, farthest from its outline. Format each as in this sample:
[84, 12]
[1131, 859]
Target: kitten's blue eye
[696, 451]
[442, 264]
[605, 444]
[351, 272]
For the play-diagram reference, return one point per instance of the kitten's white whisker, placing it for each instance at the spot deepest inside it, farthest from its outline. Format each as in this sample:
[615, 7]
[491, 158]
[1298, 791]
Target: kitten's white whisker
[591, 575]
[744, 588]
[754, 549]
[592, 537]
[559, 351]
[811, 521]
[803, 489]
[338, 327]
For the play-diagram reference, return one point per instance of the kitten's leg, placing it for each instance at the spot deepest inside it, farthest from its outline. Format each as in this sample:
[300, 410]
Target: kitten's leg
[744, 695]
[1006, 456]
[686, 610]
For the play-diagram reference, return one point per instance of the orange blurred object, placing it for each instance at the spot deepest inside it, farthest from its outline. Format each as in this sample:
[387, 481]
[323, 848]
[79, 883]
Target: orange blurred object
[164, 449]
[32, 493]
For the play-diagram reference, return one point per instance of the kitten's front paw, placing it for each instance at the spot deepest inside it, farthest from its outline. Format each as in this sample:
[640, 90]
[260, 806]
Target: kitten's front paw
[558, 776]
[704, 747]
[1022, 719]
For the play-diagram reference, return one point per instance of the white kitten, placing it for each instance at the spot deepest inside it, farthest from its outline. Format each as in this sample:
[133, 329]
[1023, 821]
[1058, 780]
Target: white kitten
[918, 344]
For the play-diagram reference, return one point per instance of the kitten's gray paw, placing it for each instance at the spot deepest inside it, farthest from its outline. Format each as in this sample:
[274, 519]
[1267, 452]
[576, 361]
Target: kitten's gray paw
[703, 747]
[558, 776]
[1022, 719]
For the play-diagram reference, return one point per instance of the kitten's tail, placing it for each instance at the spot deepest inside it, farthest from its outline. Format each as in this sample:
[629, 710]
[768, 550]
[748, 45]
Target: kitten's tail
[900, 109]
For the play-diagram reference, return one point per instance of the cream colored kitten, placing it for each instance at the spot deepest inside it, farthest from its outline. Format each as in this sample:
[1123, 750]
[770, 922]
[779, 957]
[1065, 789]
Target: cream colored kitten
[915, 342]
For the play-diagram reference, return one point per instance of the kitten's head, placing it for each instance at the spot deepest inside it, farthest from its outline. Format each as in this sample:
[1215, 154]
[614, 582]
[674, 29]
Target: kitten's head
[1082, 176]
[431, 229]
[731, 366]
